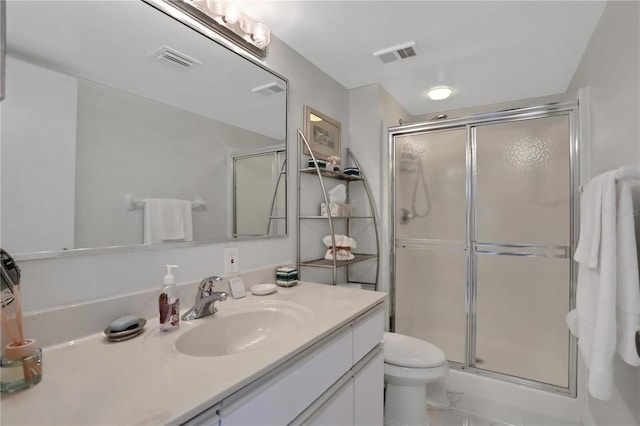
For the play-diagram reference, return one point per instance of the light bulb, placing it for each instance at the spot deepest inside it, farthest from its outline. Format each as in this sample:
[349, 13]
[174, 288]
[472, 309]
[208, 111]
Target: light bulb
[225, 10]
[217, 8]
[261, 35]
[247, 24]
[232, 14]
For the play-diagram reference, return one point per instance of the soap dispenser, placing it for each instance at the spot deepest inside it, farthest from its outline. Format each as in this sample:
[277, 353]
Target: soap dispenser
[169, 302]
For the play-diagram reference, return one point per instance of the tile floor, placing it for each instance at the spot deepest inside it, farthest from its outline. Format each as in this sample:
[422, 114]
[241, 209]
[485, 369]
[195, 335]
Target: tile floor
[441, 416]
[447, 417]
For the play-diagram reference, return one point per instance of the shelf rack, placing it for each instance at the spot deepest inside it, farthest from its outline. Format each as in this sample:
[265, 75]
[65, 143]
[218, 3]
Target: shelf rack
[321, 175]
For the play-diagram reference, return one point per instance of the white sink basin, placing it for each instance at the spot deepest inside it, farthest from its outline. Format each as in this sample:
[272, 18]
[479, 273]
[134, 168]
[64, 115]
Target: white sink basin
[241, 328]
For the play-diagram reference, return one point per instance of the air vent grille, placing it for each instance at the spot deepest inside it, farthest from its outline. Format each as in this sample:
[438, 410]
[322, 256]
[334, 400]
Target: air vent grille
[406, 53]
[171, 56]
[269, 89]
[395, 53]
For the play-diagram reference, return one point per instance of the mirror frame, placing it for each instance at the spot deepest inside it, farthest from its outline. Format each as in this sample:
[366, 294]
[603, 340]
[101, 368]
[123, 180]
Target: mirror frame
[173, 11]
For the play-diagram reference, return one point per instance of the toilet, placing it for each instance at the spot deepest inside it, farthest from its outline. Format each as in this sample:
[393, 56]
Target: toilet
[409, 364]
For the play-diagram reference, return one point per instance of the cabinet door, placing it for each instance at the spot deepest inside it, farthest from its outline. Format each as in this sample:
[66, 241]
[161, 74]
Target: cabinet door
[338, 411]
[208, 417]
[367, 332]
[278, 399]
[368, 392]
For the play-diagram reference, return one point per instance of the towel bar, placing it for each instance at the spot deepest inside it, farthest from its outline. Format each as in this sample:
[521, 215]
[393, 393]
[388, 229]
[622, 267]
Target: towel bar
[623, 173]
[132, 202]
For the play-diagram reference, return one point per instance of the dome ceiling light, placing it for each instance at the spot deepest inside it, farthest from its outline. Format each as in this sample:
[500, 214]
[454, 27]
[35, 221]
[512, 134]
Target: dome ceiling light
[439, 93]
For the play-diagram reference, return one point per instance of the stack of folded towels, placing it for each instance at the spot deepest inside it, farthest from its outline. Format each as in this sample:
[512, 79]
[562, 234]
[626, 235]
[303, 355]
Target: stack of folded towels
[343, 247]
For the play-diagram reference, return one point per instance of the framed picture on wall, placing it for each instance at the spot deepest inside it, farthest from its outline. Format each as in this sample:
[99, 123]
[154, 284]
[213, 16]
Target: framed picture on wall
[322, 134]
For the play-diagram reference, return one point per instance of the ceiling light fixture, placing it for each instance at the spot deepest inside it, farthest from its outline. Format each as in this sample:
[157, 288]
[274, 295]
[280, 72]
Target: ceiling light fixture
[439, 93]
[226, 19]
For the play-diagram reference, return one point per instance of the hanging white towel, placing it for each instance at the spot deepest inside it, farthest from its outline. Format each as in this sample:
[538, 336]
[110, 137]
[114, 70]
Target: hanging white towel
[628, 296]
[167, 220]
[607, 281]
[596, 293]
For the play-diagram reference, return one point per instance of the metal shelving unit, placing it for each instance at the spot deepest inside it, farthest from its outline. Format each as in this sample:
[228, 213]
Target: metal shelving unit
[321, 175]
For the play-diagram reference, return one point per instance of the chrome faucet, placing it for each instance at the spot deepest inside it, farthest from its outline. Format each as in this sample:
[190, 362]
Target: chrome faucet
[205, 298]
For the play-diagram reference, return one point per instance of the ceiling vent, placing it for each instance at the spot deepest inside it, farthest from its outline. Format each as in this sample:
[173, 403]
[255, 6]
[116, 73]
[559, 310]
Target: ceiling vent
[395, 53]
[269, 89]
[173, 57]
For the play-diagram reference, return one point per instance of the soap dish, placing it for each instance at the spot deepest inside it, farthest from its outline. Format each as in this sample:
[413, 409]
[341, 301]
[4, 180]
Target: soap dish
[263, 289]
[129, 333]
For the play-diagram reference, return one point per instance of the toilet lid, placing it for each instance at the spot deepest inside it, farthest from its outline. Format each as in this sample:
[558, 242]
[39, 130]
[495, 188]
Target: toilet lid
[406, 351]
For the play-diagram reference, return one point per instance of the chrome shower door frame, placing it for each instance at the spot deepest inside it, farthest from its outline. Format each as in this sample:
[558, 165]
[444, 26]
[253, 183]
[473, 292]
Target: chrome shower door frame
[471, 247]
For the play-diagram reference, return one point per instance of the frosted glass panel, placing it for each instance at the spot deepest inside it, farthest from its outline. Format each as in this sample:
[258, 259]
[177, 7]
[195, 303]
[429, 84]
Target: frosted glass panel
[523, 186]
[430, 297]
[520, 317]
[430, 185]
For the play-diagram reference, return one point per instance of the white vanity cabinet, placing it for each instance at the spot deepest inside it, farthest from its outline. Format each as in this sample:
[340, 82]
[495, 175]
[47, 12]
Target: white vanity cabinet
[337, 381]
[357, 399]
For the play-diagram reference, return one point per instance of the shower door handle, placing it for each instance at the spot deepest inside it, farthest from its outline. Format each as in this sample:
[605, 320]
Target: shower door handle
[529, 250]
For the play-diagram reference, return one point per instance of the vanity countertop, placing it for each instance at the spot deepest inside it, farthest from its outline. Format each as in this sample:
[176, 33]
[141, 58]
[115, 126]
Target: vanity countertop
[145, 381]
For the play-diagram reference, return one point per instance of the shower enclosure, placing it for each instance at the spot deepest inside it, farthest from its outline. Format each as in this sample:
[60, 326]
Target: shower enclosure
[259, 193]
[484, 228]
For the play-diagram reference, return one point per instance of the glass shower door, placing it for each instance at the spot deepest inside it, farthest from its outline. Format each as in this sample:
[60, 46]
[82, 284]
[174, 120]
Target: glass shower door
[430, 232]
[484, 226]
[521, 248]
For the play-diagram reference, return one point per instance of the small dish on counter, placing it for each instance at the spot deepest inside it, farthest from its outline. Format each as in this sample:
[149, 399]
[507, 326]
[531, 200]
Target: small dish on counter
[263, 289]
[118, 336]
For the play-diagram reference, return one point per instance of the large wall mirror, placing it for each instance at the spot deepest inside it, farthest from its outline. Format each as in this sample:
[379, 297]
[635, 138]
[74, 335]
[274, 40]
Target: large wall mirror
[112, 107]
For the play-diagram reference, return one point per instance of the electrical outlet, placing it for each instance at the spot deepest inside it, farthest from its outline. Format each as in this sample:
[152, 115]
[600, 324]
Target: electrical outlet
[231, 260]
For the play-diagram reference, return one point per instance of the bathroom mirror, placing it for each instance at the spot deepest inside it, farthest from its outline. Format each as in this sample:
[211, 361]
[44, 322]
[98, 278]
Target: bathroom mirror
[109, 104]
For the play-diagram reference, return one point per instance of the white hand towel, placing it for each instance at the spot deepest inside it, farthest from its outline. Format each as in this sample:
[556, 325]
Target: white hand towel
[590, 221]
[167, 220]
[596, 293]
[628, 296]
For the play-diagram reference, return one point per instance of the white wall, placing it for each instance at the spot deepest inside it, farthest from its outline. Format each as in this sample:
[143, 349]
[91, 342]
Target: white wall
[311, 86]
[372, 110]
[52, 282]
[610, 73]
[38, 158]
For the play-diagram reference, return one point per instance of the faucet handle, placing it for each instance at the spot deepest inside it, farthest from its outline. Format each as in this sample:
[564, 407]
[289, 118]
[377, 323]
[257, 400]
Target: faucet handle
[206, 286]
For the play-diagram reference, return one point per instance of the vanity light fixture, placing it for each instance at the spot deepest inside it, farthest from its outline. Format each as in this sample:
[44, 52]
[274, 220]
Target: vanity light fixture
[226, 17]
[439, 93]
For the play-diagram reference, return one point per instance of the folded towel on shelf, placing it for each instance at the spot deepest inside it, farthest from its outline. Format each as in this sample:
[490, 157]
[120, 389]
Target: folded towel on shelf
[343, 247]
[167, 220]
[607, 281]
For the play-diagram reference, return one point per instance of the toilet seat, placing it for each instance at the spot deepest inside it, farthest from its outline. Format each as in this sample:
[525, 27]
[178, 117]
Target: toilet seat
[406, 351]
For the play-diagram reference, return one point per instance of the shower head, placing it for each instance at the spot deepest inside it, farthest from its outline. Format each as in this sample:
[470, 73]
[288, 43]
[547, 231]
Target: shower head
[439, 117]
